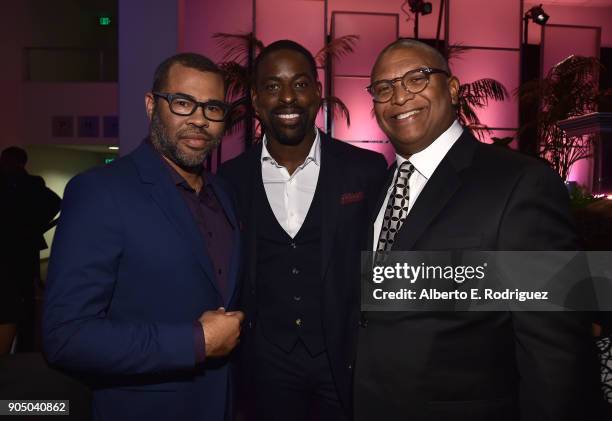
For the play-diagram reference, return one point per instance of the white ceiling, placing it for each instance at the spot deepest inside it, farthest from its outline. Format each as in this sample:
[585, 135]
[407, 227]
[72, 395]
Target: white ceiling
[585, 3]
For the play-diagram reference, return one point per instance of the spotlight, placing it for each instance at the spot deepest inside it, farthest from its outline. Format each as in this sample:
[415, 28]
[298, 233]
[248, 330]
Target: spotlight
[420, 6]
[537, 15]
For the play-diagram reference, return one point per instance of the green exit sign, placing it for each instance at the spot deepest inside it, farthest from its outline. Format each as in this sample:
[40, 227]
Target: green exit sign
[104, 20]
[108, 160]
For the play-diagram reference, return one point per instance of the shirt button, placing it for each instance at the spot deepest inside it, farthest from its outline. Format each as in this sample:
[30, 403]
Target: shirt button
[295, 271]
[298, 322]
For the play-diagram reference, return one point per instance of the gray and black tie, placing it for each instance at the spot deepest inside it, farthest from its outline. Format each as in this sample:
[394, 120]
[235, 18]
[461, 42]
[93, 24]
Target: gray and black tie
[396, 211]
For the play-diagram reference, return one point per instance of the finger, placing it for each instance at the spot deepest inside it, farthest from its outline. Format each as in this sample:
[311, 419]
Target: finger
[221, 309]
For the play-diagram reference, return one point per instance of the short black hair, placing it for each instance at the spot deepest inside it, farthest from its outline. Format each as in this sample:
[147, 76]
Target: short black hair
[285, 44]
[16, 155]
[413, 43]
[191, 60]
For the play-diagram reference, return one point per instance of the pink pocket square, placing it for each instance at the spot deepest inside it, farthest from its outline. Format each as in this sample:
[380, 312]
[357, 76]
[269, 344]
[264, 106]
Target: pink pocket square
[348, 198]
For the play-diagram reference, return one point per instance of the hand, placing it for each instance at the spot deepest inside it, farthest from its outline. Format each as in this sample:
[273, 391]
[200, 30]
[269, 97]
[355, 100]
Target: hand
[221, 331]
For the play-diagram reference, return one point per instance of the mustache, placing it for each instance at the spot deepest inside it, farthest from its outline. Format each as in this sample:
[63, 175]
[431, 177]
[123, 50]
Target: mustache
[194, 133]
[288, 110]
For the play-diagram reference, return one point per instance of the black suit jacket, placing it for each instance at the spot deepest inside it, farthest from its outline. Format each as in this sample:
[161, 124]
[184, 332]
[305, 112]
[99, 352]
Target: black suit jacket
[350, 179]
[479, 365]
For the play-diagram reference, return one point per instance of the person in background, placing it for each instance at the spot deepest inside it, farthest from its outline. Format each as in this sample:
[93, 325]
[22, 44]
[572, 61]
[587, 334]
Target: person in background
[28, 207]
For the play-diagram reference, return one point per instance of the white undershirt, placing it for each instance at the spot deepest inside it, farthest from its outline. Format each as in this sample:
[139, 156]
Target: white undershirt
[425, 163]
[290, 196]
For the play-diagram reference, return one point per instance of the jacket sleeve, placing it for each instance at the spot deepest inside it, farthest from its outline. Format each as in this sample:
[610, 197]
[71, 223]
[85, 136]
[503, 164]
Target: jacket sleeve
[554, 350]
[85, 260]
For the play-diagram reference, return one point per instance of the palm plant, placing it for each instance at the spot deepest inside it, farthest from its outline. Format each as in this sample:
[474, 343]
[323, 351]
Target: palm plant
[475, 95]
[238, 60]
[570, 89]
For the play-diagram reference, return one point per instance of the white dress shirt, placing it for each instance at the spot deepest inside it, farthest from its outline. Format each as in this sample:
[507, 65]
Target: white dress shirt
[425, 163]
[290, 196]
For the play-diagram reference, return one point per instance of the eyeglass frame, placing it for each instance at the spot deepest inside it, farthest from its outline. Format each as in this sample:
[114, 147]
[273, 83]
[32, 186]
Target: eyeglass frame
[425, 70]
[170, 97]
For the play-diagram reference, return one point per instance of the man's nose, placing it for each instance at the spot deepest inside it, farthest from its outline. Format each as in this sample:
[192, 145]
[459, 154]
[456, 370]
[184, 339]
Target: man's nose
[197, 118]
[287, 94]
[401, 95]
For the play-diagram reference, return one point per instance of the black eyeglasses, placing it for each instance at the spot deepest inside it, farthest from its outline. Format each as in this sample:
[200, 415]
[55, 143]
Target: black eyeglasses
[414, 81]
[184, 105]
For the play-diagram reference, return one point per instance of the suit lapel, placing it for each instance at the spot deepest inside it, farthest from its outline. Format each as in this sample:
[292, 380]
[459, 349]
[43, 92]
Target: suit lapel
[166, 196]
[382, 195]
[254, 191]
[228, 208]
[330, 183]
[439, 189]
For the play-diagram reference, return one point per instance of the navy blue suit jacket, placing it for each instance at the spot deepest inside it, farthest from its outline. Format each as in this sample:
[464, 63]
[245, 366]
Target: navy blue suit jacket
[129, 275]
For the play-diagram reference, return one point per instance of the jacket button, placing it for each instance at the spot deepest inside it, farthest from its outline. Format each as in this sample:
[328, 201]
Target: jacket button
[295, 271]
[293, 245]
[350, 366]
[298, 322]
[297, 298]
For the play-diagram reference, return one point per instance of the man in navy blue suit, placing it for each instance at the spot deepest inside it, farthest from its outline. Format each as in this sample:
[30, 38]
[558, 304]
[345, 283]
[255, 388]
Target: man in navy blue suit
[145, 261]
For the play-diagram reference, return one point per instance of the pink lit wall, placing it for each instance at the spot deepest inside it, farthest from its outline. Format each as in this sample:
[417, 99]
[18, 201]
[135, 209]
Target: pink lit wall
[574, 15]
[485, 23]
[298, 20]
[351, 75]
[198, 21]
[492, 31]
[427, 24]
[559, 42]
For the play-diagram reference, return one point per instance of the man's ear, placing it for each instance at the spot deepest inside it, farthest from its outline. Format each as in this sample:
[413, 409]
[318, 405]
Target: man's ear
[453, 89]
[149, 104]
[254, 98]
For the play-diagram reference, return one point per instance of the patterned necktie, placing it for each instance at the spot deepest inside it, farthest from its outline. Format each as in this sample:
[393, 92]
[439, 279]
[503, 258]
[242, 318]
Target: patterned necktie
[396, 211]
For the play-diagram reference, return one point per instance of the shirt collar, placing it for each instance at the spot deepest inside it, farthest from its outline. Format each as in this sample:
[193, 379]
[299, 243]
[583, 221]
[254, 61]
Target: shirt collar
[314, 155]
[179, 180]
[427, 160]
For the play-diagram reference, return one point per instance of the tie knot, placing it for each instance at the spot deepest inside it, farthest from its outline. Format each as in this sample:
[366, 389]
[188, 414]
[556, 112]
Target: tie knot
[405, 170]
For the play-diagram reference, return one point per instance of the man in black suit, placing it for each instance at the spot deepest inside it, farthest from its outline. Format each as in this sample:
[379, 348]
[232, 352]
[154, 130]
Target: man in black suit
[463, 194]
[304, 198]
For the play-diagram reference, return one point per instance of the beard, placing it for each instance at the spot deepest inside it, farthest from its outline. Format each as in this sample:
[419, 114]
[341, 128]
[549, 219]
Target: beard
[168, 145]
[293, 137]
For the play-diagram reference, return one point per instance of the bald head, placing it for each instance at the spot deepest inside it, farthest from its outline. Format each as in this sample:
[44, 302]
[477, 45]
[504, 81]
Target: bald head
[435, 56]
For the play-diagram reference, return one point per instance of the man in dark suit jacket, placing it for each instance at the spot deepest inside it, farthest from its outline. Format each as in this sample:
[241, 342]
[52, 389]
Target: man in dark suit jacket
[304, 197]
[463, 194]
[145, 261]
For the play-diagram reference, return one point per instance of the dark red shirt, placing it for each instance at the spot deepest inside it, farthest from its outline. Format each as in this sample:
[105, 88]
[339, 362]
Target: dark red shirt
[217, 231]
